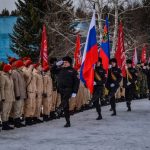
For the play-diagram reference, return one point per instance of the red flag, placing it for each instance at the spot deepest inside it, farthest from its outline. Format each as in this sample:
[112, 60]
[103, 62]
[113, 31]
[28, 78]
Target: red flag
[77, 56]
[143, 56]
[120, 52]
[44, 49]
[134, 59]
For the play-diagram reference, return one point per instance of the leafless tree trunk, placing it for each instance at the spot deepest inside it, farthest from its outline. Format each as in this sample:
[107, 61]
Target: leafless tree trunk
[115, 28]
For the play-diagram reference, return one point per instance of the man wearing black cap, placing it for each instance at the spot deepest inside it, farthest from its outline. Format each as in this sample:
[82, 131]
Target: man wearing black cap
[99, 81]
[130, 83]
[112, 84]
[68, 85]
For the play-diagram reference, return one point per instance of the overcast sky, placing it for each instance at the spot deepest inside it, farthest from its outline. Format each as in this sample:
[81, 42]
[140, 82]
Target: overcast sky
[9, 4]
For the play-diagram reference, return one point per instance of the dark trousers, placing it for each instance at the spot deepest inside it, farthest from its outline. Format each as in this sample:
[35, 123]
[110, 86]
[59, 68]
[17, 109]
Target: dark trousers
[111, 95]
[113, 103]
[65, 96]
[98, 93]
[129, 94]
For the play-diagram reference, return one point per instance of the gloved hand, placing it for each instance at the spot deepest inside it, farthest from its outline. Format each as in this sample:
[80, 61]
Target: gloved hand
[44, 95]
[112, 85]
[18, 98]
[36, 95]
[3, 100]
[129, 83]
[73, 95]
[94, 83]
[59, 63]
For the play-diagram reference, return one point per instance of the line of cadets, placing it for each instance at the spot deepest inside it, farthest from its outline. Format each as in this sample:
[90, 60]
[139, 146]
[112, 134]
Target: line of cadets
[27, 92]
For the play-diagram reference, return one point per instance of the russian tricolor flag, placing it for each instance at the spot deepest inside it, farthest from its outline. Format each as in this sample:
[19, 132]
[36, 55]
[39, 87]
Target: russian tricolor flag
[90, 57]
[105, 47]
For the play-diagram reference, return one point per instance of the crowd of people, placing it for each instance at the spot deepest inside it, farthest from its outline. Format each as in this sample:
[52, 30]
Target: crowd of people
[31, 94]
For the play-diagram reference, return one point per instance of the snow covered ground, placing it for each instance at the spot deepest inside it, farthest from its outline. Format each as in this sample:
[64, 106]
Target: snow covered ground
[126, 131]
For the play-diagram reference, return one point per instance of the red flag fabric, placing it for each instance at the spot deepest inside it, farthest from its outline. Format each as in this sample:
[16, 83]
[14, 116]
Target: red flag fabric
[44, 49]
[143, 55]
[120, 51]
[77, 54]
[134, 59]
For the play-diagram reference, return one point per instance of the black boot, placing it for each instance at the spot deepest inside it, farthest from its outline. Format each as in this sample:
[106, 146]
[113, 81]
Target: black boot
[99, 117]
[53, 115]
[5, 126]
[37, 120]
[128, 106]
[11, 121]
[114, 113]
[28, 121]
[0, 126]
[17, 123]
[67, 125]
[149, 96]
[46, 118]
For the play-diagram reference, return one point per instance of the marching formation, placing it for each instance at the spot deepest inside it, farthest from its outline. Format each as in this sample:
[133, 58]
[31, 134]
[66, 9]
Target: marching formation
[31, 95]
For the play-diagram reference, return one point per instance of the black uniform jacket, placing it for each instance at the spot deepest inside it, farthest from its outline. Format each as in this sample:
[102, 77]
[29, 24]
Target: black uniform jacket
[114, 76]
[99, 76]
[67, 79]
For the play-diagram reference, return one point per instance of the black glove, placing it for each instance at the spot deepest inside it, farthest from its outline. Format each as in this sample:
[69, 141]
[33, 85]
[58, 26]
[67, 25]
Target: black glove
[44, 95]
[3, 100]
[18, 98]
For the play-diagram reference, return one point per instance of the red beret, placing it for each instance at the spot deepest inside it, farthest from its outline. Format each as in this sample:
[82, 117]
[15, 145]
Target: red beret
[11, 60]
[19, 64]
[46, 68]
[36, 65]
[27, 63]
[7, 68]
[26, 58]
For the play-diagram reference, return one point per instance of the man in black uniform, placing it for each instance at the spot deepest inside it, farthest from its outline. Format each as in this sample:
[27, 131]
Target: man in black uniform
[129, 83]
[68, 84]
[112, 84]
[99, 81]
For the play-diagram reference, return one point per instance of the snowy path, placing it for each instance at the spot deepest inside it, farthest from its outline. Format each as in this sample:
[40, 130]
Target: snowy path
[126, 131]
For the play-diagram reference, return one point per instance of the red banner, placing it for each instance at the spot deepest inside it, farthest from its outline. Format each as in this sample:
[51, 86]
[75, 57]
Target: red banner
[120, 52]
[143, 55]
[44, 49]
[77, 54]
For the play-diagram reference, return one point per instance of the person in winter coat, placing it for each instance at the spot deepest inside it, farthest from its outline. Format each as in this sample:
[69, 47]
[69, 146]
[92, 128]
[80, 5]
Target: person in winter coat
[7, 96]
[68, 84]
[20, 93]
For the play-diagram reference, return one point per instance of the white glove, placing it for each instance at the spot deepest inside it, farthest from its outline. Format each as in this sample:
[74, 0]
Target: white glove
[73, 95]
[94, 83]
[59, 63]
[110, 66]
[112, 85]
[129, 83]
[144, 67]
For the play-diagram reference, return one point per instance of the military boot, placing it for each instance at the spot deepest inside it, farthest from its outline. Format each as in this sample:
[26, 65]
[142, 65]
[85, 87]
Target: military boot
[67, 125]
[28, 121]
[17, 123]
[37, 120]
[46, 118]
[114, 113]
[5, 126]
[99, 117]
